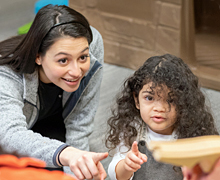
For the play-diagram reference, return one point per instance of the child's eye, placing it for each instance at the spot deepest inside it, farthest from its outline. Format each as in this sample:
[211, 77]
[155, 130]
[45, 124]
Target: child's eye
[84, 57]
[170, 100]
[149, 98]
[63, 61]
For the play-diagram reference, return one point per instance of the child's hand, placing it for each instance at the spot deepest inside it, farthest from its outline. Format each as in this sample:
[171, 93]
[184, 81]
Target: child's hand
[132, 162]
[134, 159]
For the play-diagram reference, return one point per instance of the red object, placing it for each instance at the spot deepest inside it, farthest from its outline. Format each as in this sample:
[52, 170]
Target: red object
[13, 168]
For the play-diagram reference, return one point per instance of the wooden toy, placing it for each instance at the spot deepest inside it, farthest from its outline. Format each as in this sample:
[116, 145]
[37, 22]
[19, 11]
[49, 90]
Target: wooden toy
[203, 150]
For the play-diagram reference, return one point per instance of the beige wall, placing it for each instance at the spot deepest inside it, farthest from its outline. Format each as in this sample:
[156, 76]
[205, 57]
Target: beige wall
[133, 32]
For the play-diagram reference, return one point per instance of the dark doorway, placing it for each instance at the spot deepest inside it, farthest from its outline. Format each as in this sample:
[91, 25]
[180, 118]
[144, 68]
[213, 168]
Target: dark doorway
[207, 32]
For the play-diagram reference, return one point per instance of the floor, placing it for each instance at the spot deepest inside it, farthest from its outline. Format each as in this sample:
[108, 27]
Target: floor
[14, 14]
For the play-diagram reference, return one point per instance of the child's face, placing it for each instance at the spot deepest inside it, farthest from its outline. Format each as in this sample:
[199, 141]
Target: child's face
[155, 110]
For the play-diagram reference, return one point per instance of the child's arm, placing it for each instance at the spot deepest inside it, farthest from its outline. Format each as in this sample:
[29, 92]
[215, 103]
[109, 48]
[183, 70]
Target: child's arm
[132, 162]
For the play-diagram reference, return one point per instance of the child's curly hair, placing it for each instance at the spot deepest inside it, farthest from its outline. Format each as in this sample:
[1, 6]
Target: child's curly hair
[193, 116]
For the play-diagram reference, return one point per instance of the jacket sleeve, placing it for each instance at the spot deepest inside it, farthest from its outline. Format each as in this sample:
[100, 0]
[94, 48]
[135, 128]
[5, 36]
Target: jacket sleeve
[15, 136]
[120, 154]
[79, 123]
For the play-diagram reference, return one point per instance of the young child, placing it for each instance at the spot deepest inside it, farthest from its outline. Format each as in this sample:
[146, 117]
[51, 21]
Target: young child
[160, 101]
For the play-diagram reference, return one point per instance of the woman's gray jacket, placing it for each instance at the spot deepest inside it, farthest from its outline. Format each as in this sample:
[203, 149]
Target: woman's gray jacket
[19, 109]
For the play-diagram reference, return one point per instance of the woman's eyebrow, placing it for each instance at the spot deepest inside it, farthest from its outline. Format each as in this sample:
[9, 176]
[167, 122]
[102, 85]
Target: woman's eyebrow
[64, 53]
[84, 49]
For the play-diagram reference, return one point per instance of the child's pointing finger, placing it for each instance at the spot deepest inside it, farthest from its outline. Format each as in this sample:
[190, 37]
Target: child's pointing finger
[134, 148]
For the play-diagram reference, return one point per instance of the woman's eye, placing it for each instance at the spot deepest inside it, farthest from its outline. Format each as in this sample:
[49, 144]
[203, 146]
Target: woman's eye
[84, 57]
[149, 98]
[63, 61]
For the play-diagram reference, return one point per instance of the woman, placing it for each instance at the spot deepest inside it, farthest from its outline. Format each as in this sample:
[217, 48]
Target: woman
[50, 80]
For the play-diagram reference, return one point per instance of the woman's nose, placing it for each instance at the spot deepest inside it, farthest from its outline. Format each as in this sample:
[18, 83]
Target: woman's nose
[75, 69]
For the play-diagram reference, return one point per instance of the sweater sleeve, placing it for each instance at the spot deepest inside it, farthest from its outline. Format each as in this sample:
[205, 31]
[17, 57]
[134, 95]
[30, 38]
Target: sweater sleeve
[115, 160]
[15, 137]
[118, 156]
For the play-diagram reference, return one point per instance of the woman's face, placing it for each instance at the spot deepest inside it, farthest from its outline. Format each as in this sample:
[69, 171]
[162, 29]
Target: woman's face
[65, 63]
[155, 111]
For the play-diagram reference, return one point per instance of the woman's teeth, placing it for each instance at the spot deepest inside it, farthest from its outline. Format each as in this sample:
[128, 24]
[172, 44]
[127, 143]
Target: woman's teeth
[71, 80]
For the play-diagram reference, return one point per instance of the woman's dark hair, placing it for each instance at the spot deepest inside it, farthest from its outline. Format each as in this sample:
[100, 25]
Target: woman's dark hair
[50, 23]
[193, 116]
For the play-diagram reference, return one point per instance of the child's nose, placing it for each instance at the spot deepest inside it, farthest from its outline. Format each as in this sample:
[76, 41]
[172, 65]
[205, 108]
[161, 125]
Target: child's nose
[160, 106]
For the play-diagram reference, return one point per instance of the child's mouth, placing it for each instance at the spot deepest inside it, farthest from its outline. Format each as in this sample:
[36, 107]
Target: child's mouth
[158, 118]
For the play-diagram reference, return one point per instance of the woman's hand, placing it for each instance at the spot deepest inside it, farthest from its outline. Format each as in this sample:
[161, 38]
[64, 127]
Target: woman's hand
[197, 174]
[132, 162]
[84, 165]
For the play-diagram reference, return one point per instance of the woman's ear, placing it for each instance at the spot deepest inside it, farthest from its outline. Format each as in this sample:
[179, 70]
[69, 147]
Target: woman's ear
[38, 59]
[136, 101]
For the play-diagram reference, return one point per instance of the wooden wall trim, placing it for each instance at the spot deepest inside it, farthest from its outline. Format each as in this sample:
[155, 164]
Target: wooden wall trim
[208, 77]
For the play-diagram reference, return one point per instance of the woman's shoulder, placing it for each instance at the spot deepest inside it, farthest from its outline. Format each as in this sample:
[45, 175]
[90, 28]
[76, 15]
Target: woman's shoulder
[7, 72]
[11, 82]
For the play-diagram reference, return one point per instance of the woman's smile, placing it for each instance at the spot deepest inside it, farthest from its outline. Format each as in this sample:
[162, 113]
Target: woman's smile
[72, 82]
